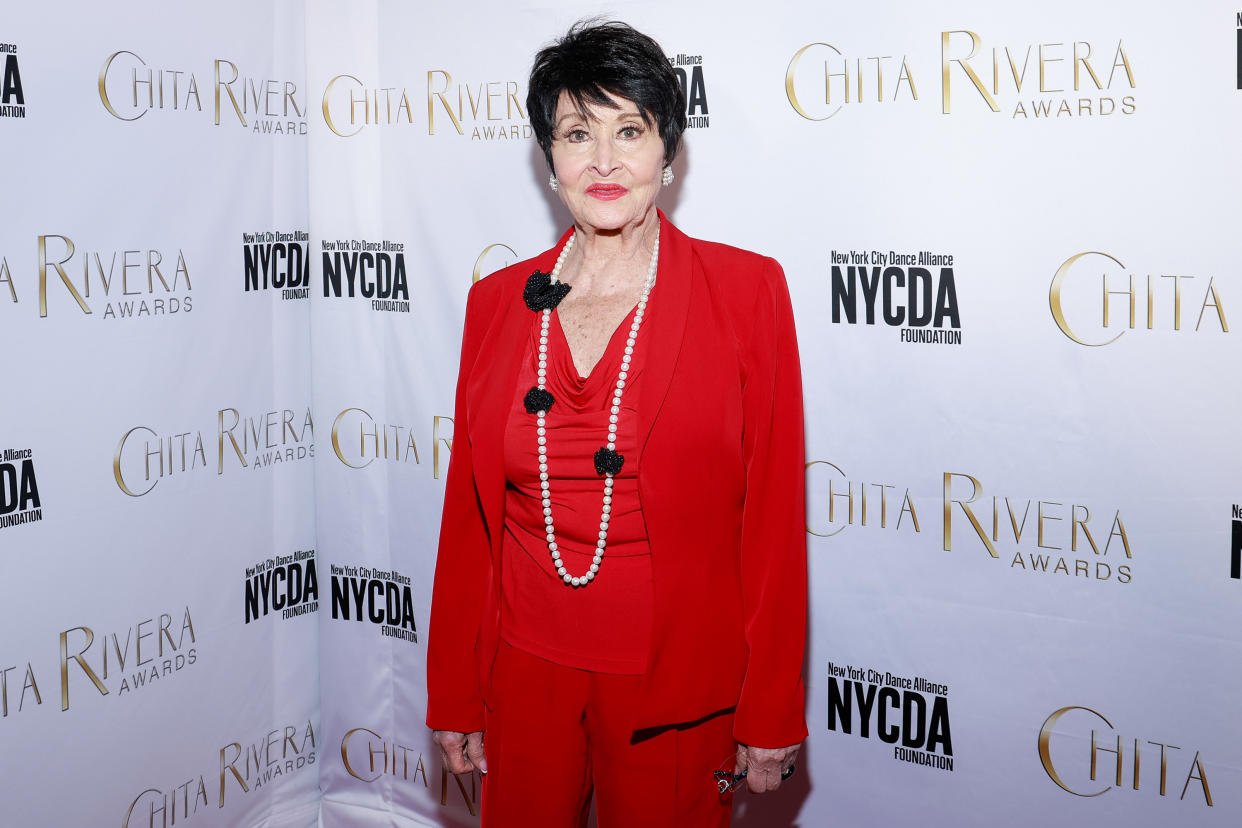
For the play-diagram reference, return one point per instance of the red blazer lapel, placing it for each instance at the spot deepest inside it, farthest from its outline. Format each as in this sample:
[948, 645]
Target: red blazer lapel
[674, 279]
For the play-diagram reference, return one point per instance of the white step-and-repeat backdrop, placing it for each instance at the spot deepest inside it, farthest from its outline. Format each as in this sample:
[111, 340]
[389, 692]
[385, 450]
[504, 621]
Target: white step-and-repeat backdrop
[234, 255]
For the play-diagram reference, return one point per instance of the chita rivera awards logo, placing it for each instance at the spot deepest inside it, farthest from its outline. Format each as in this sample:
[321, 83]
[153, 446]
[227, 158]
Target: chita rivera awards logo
[77, 276]
[821, 79]
[911, 713]
[19, 489]
[371, 757]
[913, 292]
[277, 260]
[349, 105]
[146, 456]
[131, 87]
[378, 597]
[366, 269]
[1084, 754]
[12, 98]
[285, 584]
[1043, 536]
[238, 768]
[104, 662]
[1095, 300]
[359, 439]
[1097, 544]
[484, 110]
[1061, 77]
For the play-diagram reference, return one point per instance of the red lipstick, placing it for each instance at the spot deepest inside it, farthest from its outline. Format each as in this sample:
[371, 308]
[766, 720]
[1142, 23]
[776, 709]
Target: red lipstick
[606, 192]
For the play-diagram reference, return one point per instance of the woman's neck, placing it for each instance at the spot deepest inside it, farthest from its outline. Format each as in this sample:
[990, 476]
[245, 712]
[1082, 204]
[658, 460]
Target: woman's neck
[600, 251]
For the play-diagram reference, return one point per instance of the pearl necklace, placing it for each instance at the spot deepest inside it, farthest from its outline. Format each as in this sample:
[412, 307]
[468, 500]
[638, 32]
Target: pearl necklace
[605, 458]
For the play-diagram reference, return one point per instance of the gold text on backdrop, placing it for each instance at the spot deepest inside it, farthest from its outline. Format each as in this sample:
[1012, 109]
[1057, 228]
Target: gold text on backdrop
[1194, 773]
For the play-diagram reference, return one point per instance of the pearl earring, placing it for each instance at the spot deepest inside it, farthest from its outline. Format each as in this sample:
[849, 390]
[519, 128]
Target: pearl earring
[667, 176]
[553, 183]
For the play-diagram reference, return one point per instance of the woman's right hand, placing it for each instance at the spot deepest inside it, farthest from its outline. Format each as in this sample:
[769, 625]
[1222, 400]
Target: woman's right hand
[461, 752]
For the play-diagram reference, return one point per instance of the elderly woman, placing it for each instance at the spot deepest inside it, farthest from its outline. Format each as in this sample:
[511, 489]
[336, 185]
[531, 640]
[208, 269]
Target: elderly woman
[619, 605]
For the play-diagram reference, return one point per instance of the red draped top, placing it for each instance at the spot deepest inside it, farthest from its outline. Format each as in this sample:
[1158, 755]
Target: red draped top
[604, 626]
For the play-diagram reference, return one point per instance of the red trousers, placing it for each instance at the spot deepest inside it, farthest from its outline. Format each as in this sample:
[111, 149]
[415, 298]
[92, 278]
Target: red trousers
[558, 734]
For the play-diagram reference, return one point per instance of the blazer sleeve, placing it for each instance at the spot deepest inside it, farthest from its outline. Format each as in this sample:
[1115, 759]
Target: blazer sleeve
[463, 565]
[771, 709]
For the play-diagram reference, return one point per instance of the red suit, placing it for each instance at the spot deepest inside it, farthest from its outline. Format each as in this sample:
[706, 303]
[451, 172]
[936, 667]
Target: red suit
[721, 481]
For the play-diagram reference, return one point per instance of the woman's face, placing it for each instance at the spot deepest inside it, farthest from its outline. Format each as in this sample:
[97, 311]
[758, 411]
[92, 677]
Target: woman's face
[608, 163]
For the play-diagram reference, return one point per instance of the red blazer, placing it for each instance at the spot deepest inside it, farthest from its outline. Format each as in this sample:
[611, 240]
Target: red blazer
[721, 480]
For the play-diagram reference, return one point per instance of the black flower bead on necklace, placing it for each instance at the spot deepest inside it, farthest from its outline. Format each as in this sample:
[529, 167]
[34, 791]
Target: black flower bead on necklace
[541, 293]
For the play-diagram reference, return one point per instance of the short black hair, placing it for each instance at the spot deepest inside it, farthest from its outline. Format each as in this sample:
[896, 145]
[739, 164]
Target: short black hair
[595, 59]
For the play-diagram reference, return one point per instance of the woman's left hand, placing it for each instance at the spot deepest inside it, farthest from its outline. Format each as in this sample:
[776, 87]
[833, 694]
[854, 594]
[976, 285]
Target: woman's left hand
[764, 766]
